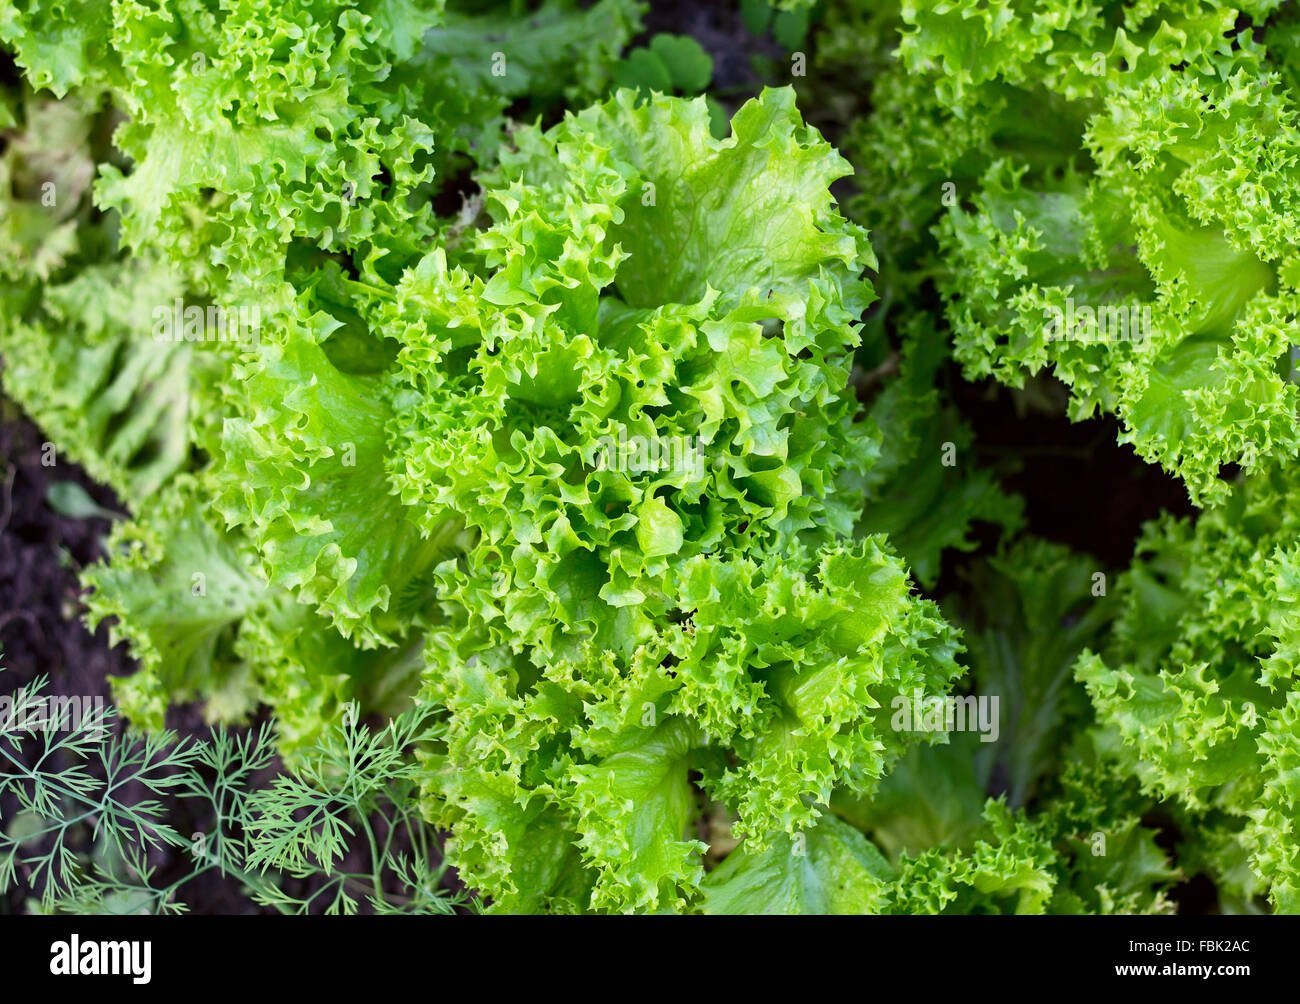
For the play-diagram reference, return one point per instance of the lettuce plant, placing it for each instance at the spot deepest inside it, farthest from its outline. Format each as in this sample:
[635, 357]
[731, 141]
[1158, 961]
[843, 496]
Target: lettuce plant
[1038, 162]
[1113, 196]
[1197, 688]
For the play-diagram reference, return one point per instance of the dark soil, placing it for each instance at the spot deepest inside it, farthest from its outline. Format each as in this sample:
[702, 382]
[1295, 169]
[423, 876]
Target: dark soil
[40, 554]
[1081, 487]
[719, 29]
